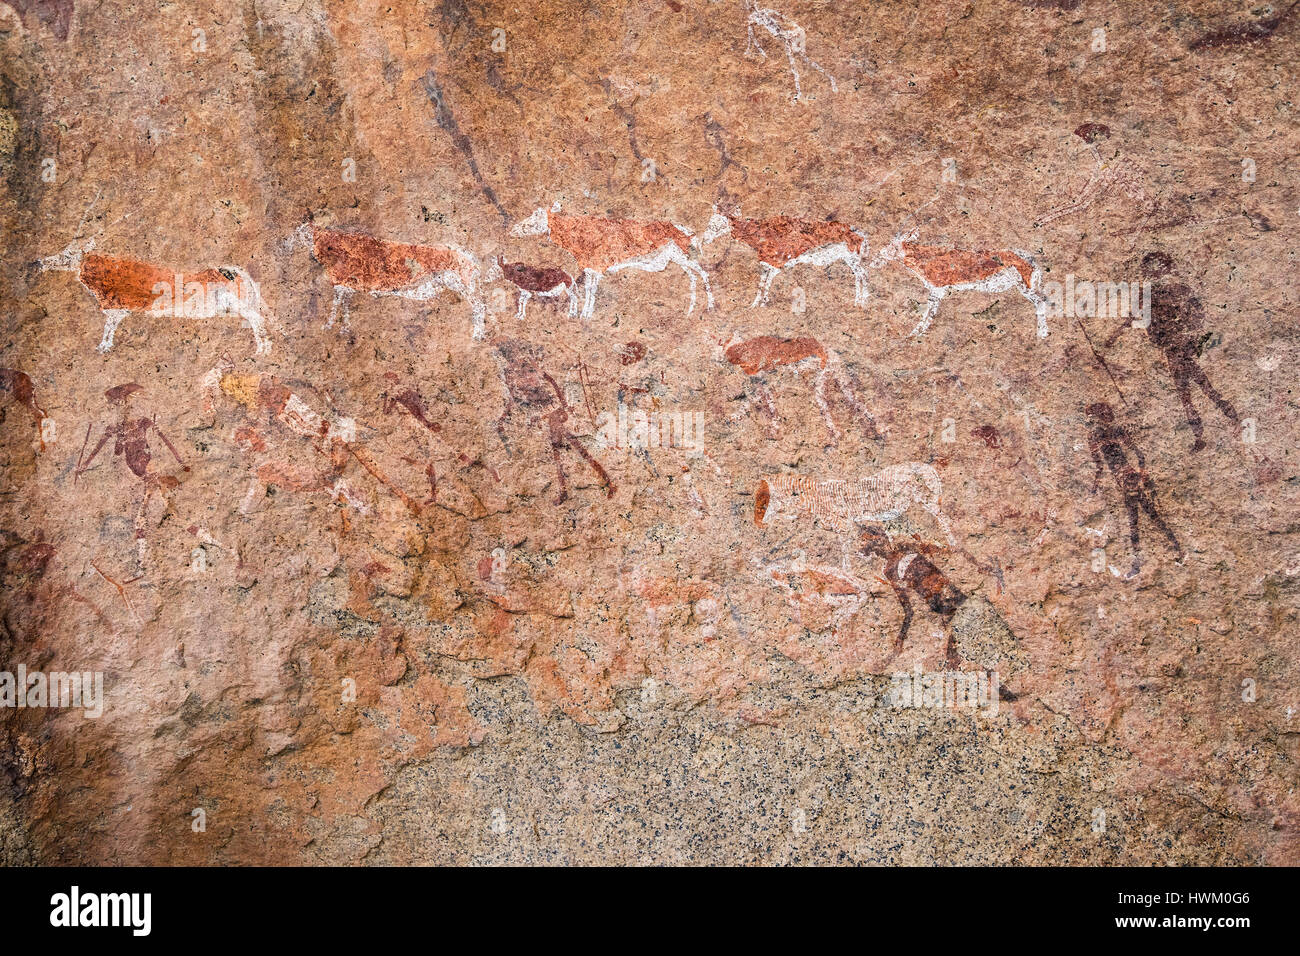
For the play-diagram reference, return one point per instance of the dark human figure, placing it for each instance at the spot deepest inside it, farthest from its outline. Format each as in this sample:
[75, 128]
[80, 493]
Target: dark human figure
[1176, 320]
[530, 388]
[1107, 443]
[907, 568]
[131, 441]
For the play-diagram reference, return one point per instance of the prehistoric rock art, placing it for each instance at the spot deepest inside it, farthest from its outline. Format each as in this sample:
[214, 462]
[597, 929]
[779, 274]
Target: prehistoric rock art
[944, 270]
[122, 286]
[841, 590]
[356, 262]
[842, 505]
[908, 568]
[789, 34]
[334, 438]
[131, 441]
[55, 14]
[604, 245]
[784, 241]
[1120, 175]
[759, 356]
[1244, 34]
[541, 282]
[19, 384]
[1107, 443]
[1176, 322]
[409, 404]
[532, 390]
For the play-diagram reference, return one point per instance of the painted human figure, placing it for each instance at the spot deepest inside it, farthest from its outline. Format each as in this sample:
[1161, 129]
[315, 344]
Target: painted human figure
[909, 568]
[19, 384]
[1109, 444]
[533, 390]
[1176, 317]
[407, 402]
[131, 441]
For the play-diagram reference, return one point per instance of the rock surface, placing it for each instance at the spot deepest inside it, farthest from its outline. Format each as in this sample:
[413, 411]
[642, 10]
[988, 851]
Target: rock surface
[376, 571]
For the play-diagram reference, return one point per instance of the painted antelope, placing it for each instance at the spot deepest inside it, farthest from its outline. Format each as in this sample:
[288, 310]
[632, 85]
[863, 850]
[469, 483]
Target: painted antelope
[757, 357]
[791, 36]
[784, 241]
[122, 286]
[841, 505]
[541, 282]
[944, 270]
[604, 245]
[357, 262]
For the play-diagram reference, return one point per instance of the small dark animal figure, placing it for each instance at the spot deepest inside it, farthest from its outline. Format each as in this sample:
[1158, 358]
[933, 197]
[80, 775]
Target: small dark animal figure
[543, 283]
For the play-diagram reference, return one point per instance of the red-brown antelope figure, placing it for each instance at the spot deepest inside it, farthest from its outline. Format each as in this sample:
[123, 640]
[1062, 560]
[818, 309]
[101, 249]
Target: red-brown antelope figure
[357, 262]
[944, 269]
[765, 354]
[122, 286]
[604, 245]
[783, 241]
[541, 282]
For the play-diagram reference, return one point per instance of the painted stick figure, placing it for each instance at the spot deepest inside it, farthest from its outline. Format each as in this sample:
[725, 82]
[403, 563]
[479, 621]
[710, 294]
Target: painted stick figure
[1176, 317]
[333, 437]
[1107, 442]
[131, 441]
[408, 403]
[791, 36]
[530, 388]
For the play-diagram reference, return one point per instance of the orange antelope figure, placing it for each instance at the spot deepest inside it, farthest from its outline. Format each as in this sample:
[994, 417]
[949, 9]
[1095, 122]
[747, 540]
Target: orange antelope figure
[783, 241]
[357, 262]
[122, 286]
[943, 270]
[766, 353]
[604, 245]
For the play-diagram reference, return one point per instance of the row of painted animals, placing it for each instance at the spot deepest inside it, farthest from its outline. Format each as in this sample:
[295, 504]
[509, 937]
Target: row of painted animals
[357, 262]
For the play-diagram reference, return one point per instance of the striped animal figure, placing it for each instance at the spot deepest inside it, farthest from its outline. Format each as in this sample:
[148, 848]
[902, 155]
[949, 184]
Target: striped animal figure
[841, 505]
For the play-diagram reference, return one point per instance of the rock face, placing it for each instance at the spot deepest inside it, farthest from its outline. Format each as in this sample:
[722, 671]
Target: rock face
[588, 433]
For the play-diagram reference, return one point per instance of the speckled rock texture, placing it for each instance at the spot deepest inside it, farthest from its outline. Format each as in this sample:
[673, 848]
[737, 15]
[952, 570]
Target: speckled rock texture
[542, 433]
